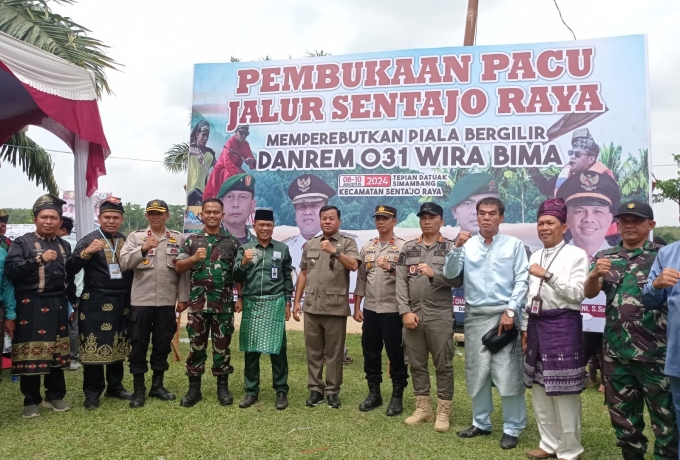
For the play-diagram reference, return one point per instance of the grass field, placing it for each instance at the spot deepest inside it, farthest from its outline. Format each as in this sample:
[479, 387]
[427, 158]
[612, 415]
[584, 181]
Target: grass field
[164, 430]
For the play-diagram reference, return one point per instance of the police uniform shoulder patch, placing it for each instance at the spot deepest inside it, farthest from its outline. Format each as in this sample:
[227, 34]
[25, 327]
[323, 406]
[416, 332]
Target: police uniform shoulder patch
[289, 239]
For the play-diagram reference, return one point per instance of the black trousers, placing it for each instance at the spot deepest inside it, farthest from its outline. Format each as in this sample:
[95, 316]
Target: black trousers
[94, 381]
[55, 387]
[592, 344]
[379, 328]
[155, 325]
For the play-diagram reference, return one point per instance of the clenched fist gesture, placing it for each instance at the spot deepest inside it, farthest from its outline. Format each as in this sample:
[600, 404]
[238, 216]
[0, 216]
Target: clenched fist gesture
[383, 263]
[200, 255]
[462, 238]
[537, 271]
[94, 247]
[327, 246]
[151, 243]
[248, 255]
[602, 267]
[49, 255]
[668, 278]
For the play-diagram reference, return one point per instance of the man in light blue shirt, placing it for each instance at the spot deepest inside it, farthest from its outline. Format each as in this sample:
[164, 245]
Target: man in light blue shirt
[495, 283]
[662, 289]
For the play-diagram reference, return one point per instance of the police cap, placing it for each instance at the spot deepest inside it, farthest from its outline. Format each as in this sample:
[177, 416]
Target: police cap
[387, 211]
[430, 208]
[154, 205]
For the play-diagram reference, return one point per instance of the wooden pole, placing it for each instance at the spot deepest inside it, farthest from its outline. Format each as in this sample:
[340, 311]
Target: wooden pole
[471, 23]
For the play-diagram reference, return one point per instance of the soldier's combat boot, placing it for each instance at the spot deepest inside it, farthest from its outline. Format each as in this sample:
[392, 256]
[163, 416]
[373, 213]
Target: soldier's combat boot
[138, 395]
[396, 406]
[157, 388]
[194, 394]
[443, 412]
[223, 394]
[423, 412]
[374, 398]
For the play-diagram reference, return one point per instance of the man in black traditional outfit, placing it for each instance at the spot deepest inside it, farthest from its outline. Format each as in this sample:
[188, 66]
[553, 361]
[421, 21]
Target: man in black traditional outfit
[104, 306]
[36, 264]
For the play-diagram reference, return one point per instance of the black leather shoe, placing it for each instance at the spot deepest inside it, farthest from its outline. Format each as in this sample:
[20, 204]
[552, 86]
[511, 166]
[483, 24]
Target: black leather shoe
[315, 398]
[473, 432]
[333, 401]
[121, 394]
[91, 402]
[508, 442]
[281, 400]
[247, 401]
[629, 453]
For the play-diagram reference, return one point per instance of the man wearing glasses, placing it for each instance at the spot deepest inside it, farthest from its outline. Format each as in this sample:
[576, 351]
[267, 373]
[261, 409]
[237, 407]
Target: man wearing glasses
[582, 157]
[230, 162]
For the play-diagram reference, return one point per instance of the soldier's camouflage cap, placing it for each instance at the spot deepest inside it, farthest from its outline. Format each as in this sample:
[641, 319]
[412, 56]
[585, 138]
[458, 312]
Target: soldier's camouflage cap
[243, 182]
[472, 184]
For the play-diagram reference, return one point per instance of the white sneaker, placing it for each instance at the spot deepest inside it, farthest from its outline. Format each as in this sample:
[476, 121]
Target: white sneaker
[75, 365]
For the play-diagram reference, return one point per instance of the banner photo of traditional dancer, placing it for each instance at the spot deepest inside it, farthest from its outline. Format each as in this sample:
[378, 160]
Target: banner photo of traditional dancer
[448, 125]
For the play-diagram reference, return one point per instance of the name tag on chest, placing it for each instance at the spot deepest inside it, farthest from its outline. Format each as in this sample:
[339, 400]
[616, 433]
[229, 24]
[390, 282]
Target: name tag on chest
[114, 272]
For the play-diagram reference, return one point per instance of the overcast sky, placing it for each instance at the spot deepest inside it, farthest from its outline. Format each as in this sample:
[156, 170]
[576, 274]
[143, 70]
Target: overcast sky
[160, 41]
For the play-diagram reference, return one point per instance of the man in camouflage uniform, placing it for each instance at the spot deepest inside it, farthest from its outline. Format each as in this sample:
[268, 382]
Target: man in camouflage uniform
[210, 257]
[634, 339]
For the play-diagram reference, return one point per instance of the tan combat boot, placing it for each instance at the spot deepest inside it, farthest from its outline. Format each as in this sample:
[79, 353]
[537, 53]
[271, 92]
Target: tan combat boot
[423, 412]
[443, 411]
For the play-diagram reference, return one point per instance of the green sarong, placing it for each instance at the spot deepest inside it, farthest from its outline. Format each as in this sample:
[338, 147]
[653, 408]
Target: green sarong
[262, 324]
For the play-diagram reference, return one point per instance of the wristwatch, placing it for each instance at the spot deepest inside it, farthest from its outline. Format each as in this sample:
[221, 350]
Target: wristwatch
[392, 269]
[547, 276]
[510, 313]
[337, 253]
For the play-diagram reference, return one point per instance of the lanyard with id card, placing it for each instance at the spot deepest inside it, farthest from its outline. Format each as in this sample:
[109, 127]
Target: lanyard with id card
[537, 301]
[276, 258]
[115, 272]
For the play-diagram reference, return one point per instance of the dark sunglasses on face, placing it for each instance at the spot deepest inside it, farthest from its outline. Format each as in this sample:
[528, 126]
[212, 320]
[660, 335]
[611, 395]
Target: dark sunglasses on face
[574, 153]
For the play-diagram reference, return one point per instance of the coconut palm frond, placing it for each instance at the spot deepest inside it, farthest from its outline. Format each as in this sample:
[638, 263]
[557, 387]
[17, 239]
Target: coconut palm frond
[316, 53]
[176, 160]
[34, 160]
[33, 22]
[234, 59]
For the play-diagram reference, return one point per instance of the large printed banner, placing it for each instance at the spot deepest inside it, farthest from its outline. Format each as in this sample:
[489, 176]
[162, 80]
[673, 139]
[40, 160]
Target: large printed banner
[449, 125]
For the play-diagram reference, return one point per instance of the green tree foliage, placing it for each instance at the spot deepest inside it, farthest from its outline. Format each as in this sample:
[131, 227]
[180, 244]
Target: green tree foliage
[670, 234]
[20, 215]
[668, 189]
[135, 219]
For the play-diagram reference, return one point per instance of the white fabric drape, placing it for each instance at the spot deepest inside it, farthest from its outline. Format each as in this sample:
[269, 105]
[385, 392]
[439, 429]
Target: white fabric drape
[46, 72]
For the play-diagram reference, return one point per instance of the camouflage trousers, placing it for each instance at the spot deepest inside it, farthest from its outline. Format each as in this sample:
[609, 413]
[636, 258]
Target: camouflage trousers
[221, 327]
[629, 385]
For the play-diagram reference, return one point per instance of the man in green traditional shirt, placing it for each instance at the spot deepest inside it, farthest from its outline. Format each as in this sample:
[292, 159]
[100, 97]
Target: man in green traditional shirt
[210, 255]
[263, 276]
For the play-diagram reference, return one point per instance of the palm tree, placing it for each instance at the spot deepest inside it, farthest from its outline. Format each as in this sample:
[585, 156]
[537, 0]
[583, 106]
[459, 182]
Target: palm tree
[610, 156]
[33, 22]
[635, 181]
